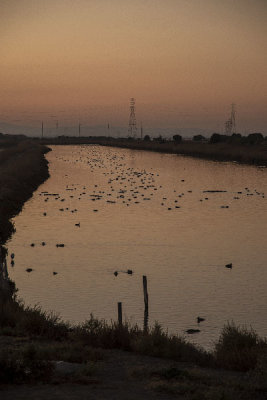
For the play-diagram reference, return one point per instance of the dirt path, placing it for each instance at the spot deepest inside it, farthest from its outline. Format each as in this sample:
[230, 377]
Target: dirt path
[120, 376]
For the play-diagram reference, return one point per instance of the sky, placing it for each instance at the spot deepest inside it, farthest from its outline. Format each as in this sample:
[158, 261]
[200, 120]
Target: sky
[184, 61]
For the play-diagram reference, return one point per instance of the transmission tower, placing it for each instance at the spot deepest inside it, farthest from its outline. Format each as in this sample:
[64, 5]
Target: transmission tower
[132, 130]
[230, 124]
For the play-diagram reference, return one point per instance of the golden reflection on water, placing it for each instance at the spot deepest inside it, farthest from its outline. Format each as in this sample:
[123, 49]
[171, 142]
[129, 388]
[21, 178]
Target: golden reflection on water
[153, 217]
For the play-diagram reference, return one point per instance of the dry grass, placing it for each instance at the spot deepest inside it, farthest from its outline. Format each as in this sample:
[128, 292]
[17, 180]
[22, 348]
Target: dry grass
[239, 348]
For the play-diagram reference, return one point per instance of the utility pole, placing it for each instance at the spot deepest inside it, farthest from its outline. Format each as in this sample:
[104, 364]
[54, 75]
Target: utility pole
[141, 130]
[230, 124]
[132, 120]
[42, 129]
[79, 129]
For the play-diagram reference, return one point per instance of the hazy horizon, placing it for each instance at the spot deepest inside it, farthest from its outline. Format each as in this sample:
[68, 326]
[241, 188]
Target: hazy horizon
[185, 62]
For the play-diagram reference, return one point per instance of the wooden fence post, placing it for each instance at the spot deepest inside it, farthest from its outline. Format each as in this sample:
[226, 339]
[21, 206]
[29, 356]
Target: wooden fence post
[120, 313]
[146, 303]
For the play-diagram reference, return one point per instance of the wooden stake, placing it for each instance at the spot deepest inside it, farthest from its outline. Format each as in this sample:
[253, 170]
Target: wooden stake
[120, 314]
[146, 303]
[145, 291]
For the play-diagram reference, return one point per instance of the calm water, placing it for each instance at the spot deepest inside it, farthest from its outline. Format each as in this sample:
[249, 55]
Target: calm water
[153, 217]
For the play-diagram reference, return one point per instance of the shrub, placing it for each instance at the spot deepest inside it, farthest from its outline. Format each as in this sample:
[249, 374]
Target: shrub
[36, 322]
[254, 138]
[177, 138]
[158, 343]
[99, 333]
[217, 138]
[239, 348]
[198, 138]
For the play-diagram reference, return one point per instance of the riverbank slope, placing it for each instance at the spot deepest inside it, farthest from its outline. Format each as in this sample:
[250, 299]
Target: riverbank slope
[23, 168]
[255, 154]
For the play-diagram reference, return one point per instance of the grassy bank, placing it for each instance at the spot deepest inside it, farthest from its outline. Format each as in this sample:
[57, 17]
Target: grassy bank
[165, 364]
[23, 168]
[248, 154]
[255, 154]
[237, 349]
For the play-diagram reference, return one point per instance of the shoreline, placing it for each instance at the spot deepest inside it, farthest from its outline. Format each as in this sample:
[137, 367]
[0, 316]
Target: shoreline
[242, 153]
[23, 168]
[39, 339]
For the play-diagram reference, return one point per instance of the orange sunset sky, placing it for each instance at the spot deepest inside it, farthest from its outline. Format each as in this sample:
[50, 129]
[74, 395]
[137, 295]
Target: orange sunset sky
[185, 62]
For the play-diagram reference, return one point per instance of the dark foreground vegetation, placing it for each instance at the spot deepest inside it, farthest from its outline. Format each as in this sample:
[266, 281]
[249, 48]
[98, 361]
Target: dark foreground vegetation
[251, 149]
[237, 349]
[36, 341]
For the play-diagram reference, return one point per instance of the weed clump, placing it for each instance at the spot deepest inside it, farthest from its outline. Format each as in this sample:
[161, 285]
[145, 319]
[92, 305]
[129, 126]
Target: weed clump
[239, 348]
[158, 343]
[99, 333]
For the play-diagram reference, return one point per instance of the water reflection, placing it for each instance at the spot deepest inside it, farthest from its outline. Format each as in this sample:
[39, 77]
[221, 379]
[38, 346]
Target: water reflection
[177, 220]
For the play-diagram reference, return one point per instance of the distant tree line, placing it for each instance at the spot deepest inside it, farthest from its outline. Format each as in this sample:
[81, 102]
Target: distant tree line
[7, 140]
[252, 138]
[235, 138]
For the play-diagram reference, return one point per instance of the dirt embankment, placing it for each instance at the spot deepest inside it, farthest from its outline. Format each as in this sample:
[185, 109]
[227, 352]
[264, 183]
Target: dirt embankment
[255, 154]
[23, 168]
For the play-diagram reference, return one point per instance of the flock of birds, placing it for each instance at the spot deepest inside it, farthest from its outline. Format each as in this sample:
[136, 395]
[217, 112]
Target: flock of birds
[126, 185]
[120, 183]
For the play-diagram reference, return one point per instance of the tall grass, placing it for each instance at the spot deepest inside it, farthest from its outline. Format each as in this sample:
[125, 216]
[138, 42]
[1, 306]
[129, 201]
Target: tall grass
[154, 342]
[239, 348]
[16, 319]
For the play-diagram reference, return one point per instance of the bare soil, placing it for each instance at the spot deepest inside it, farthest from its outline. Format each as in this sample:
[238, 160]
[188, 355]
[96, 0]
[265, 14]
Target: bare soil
[121, 375]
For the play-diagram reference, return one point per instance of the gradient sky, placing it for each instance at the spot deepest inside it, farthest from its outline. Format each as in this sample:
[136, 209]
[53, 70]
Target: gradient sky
[185, 62]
